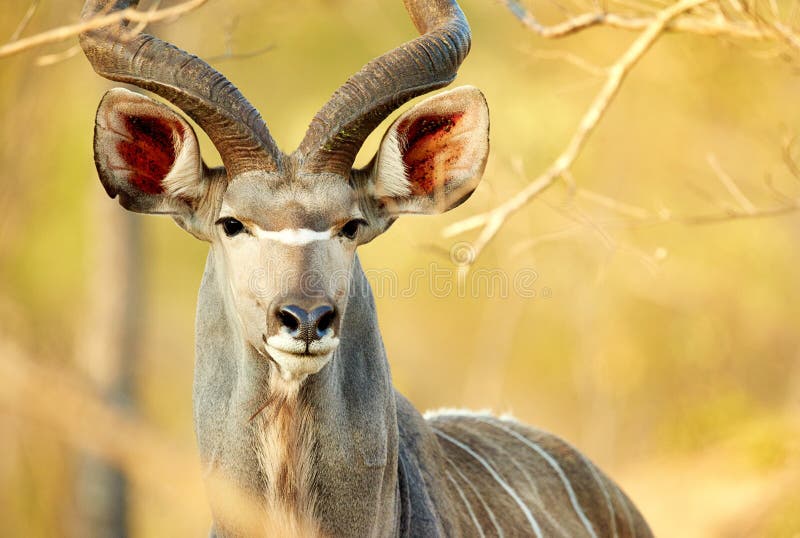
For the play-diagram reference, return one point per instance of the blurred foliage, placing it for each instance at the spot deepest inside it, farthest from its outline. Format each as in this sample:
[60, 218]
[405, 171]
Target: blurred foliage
[654, 348]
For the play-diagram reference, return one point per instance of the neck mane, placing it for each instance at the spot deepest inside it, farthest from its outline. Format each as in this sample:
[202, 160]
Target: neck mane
[299, 450]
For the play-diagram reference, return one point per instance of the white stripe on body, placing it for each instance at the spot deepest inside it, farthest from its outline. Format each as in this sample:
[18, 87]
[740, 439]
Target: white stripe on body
[557, 468]
[525, 510]
[611, 512]
[535, 490]
[477, 494]
[466, 502]
[621, 498]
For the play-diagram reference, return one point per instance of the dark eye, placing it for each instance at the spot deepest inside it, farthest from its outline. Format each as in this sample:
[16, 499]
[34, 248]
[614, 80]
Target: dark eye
[231, 226]
[350, 230]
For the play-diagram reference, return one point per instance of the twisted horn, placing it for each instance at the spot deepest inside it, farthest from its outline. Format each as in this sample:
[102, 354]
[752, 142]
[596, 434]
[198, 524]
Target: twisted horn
[219, 108]
[424, 64]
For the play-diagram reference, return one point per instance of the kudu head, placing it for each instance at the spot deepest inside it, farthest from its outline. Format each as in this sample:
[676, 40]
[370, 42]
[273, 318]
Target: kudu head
[284, 227]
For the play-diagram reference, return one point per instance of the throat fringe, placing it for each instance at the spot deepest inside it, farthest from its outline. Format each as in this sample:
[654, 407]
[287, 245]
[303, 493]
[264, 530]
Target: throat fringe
[285, 448]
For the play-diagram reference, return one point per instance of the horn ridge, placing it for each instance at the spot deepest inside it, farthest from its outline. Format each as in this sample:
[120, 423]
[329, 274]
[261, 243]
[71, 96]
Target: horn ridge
[426, 63]
[203, 93]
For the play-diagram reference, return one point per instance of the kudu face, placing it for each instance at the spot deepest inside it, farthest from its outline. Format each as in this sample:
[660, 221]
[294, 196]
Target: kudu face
[284, 228]
[285, 241]
[286, 250]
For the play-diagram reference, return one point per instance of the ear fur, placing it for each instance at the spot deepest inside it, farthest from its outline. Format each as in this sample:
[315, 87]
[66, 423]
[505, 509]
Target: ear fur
[432, 157]
[148, 155]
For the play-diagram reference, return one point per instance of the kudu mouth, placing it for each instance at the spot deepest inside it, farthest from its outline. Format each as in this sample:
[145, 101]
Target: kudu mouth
[295, 358]
[286, 344]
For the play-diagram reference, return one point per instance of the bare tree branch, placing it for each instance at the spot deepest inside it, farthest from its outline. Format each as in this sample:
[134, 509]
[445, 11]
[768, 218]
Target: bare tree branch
[80, 417]
[491, 221]
[73, 411]
[130, 14]
[720, 25]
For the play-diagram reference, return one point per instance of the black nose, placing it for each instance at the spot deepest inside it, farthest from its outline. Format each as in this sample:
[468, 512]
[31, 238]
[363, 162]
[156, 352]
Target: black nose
[305, 325]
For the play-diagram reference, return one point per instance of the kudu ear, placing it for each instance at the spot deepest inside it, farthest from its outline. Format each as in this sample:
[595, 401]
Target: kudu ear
[148, 155]
[432, 157]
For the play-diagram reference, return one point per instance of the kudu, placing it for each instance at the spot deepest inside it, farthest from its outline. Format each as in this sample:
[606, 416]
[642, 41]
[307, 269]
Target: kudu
[293, 399]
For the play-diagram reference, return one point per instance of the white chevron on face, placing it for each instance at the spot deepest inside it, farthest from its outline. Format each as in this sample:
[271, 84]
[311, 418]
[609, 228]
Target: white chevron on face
[295, 237]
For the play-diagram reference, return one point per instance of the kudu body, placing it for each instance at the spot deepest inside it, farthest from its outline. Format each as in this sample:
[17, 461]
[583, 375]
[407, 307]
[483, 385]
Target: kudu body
[294, 406]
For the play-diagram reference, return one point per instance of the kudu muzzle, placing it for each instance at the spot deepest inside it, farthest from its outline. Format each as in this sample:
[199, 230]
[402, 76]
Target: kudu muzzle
[305, 324]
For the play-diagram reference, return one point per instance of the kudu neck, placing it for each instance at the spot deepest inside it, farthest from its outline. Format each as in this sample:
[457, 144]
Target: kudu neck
[348, 409]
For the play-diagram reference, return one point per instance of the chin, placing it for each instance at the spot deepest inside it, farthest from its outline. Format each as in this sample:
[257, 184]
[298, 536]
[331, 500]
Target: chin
[295, 367]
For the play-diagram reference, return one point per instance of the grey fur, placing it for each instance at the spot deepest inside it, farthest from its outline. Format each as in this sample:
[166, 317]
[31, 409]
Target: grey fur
[321, 444]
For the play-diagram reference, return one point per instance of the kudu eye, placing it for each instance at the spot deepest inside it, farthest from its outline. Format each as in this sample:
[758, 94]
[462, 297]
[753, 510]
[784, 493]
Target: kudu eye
[350, 230]
[231, 226]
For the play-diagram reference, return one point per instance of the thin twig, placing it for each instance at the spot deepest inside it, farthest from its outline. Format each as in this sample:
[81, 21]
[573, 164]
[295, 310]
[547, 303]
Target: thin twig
[616, 206]
[141, 25]
[738, 215]
[230, 55]
[786, 153]
[75, 413]
[572, 59]
[731, 186]
[26, 19]
[705, 194]
[492, 221]
[787, 34]
[731, 214]
[550, 237]
[580, 217]
[717, 27]
[778, 194]
[129, 14]
[51, 59]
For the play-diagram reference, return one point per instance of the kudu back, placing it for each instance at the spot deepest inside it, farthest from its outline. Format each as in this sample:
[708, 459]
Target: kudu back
[295, 413]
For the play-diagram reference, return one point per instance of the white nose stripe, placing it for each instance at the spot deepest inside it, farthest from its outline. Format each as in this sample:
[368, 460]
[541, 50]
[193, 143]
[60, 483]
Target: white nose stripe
[294, 236]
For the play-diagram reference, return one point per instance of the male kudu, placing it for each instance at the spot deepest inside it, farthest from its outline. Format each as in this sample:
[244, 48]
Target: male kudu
[293, 399]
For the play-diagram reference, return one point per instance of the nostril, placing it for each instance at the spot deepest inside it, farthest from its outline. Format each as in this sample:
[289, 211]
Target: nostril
[325, 321]
[289, 319]
[301, 324]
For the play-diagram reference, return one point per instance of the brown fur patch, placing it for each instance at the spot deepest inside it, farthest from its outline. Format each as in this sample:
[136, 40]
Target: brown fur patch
[501, 444]
[149, 152]
[426, 145]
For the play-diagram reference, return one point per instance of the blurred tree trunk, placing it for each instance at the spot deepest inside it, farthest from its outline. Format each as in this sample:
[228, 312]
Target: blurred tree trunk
[106, 350]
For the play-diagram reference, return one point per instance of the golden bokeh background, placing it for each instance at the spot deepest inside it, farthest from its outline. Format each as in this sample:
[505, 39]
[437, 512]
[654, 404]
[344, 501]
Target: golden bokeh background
[665, 348]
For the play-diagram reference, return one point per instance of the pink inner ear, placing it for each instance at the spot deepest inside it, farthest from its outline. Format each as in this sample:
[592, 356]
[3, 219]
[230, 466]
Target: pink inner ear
[427, 141]
[150, 151]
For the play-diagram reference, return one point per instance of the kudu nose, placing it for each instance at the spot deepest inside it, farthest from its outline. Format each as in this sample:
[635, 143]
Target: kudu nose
[305, 325]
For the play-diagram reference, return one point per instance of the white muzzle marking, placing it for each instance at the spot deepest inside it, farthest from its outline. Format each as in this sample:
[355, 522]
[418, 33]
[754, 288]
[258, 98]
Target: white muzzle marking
[294, 361]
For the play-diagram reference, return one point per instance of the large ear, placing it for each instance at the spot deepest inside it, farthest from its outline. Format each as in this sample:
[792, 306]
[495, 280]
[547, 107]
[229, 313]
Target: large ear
[432, 157]
[148, 155]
